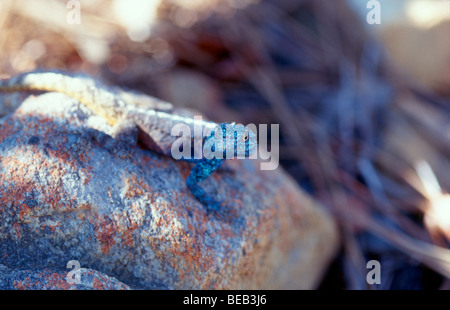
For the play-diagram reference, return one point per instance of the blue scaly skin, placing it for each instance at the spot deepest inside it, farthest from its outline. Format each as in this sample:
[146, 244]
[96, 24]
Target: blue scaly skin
[153, 118]
[242, 143]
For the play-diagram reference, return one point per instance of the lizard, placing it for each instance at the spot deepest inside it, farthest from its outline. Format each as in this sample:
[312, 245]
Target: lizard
[150, 116]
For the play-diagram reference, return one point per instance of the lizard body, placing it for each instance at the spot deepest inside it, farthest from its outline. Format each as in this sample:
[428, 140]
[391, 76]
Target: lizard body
[155, 123]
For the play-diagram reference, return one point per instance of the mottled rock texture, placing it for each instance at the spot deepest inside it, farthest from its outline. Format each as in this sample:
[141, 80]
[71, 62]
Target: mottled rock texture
[68, 191]
[47, 279]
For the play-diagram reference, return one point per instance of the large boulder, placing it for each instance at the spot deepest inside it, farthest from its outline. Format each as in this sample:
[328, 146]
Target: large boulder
[68, 191]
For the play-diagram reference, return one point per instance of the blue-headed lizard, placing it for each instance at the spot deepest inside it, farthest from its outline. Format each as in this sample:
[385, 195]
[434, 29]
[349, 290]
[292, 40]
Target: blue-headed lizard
[153, 118]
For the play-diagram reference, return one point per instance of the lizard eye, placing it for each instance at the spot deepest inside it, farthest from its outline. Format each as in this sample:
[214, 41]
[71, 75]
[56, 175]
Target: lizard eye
[246, 137]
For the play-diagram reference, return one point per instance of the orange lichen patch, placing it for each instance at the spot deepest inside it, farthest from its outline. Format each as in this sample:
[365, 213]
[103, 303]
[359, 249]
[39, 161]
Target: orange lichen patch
[101, 281]
[20, 285]
[16, 193]
[84, 158]
[226, 231]
[184, 244]
[51, 227]
[46, 137]
[18, 230]
[127, 237]
[6, 130]
[106, 232]
[187, 255]
[136, 187]
[49, 133]
[128, 222]
[86, 174]
[146, 160]
[25, 191]
[97, 284]
[44, 279]
[41, 124]
[82, 208]
[64, 156]
[24, 213]
[132, 187]
[54, 280]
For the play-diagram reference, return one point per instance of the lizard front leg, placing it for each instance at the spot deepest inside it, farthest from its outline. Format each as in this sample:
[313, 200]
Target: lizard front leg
[203, 169]
[125, 134]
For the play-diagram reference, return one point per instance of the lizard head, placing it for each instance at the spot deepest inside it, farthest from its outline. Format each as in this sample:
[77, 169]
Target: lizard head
[238, 139]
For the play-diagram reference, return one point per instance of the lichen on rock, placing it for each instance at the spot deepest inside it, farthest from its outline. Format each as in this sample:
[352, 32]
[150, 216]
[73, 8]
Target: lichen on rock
[68, 193]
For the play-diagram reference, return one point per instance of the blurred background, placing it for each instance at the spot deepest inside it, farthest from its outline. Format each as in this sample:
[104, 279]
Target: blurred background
[364, 109]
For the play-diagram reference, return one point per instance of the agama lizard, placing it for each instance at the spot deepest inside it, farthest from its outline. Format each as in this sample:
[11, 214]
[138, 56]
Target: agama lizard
[154, 124]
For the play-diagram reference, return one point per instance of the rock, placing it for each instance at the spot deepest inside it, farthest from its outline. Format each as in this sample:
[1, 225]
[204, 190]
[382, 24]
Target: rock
[47, 279]
[68, 191]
